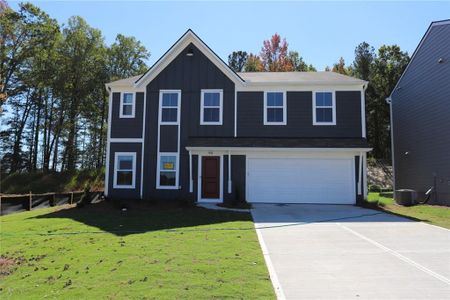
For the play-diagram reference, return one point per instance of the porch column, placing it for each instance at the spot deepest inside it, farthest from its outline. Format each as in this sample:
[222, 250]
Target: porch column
[191, 185]
[360, 170]
[229, 173]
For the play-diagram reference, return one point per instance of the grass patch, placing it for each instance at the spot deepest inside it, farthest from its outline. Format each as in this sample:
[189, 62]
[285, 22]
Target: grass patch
[39, 182]
[147, 252]
[433, 214]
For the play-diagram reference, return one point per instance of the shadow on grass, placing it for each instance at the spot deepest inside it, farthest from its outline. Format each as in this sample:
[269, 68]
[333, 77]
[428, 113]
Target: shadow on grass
[142, 217]
[379, 206]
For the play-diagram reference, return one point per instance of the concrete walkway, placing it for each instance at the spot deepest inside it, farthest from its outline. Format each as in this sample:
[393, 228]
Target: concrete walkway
[347, 252]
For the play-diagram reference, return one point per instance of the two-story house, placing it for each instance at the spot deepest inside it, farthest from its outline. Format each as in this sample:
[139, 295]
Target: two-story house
[420, 119]
[192, 128]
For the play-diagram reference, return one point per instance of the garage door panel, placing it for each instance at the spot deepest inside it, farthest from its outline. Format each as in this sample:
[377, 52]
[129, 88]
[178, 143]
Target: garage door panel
[301, 180]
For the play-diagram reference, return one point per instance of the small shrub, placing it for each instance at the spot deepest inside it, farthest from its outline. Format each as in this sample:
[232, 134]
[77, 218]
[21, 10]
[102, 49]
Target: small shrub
[374, 188]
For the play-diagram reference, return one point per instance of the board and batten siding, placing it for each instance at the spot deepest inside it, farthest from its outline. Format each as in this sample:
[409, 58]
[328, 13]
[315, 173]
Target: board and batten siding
[190, 74]
[250, 116]
[421, 118]
[119, 193]
[127, 127]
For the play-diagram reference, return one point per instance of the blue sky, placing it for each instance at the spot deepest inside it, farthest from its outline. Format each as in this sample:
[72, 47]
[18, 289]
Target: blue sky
[320, 31]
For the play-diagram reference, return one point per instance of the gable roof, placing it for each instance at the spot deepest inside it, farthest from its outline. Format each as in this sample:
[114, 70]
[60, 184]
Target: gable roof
[187, 38]
[422, 41]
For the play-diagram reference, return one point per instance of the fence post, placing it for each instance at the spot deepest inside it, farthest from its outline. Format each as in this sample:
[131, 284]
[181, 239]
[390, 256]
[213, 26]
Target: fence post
[30, 201]
[54, 199]
[71, 197]
[0, 205]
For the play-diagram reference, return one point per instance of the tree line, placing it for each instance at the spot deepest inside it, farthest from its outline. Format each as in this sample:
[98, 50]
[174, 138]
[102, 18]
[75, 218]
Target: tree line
[382, 68]
[53, 99]
[54, 105]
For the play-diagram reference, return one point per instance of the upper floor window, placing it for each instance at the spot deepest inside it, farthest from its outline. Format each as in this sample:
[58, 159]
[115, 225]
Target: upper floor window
[324, 108]
[275, 108]
[125, 170]
[170, 107]
[127, 105]
[211, 107]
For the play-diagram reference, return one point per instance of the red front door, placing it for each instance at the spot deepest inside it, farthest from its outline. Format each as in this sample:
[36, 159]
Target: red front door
[210, 177]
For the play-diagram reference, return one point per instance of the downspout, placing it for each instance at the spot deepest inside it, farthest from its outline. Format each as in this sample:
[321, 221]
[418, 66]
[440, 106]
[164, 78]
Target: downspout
[389, 101]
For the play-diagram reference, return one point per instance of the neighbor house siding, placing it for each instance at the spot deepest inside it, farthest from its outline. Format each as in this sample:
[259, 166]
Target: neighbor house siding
[421, 118]
[190, 75]
[299, 116]
[127, 127]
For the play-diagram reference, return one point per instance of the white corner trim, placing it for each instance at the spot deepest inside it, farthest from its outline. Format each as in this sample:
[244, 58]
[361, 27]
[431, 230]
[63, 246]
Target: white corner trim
[202, 106]
[360, 170]
[266, 107]
[126, 140]
[333, 107]
[143, 145]
[108, 138]
[116, 156]
[235, 112]
[363, 111]
[133, 105]
[191, 182]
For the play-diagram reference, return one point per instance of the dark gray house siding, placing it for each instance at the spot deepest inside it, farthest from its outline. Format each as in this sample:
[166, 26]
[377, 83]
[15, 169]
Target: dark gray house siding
[125, 193]
[190, 75]
[299, 116]
[127, 127]
[421, 118]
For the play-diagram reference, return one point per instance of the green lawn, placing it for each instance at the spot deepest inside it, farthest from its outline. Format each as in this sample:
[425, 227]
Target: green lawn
[433, 214]
[144, 253]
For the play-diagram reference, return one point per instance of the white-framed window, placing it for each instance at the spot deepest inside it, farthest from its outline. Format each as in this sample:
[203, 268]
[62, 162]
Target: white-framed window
[324, 108]
[275, 108]
[169, 107]
[127, 105]
[167, 177]
[124, 170]
[211, 107]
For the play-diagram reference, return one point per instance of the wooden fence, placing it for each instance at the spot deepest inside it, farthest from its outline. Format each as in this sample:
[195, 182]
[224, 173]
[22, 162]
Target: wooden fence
[17, 203]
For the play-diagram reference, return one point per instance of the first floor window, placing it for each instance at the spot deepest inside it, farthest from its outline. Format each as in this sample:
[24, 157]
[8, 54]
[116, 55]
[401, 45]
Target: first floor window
[127, 107]
[211, 107]
[170, 104]
[324, 108]
[275, 108]
[168, 170]
[125, 168]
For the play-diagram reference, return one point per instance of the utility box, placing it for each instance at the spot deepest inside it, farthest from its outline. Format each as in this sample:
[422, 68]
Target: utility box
[405, 197]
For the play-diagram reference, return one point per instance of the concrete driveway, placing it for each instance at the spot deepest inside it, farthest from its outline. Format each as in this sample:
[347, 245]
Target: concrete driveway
[347, 252]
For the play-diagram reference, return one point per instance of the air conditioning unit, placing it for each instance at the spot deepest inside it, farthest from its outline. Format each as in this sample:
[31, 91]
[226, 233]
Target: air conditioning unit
[405, 197]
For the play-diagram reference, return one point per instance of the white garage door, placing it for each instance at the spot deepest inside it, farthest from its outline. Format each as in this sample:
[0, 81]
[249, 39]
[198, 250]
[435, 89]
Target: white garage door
[301, 180]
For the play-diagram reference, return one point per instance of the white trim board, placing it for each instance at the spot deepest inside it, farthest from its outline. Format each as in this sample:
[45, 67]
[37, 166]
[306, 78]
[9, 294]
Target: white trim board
[186, 39]
[284, 107]
[202, 106]
[133, 105]
[116, 156]
[177, 182]
[333, 107]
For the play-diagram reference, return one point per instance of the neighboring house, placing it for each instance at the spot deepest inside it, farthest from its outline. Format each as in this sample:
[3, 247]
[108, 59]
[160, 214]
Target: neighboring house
[420, 117]
[192, 128]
